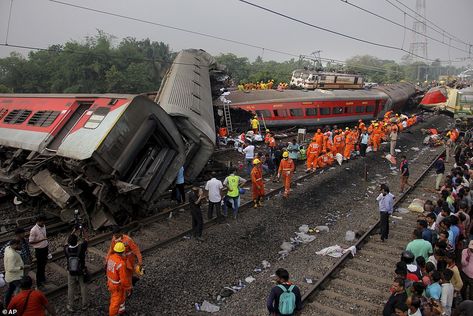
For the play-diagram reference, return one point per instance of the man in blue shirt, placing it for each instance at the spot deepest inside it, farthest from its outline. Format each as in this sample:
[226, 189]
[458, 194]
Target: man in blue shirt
[180, 194]
[426, 232]
[385, 203]
[364, 139]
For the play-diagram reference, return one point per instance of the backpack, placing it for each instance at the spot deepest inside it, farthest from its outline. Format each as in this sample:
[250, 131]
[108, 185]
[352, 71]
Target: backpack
[73, 262]
[287, 300]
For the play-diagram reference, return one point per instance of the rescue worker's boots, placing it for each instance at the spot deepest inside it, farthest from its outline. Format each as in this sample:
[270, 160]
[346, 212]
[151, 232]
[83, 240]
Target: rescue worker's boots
[255, 203]
[260, 202]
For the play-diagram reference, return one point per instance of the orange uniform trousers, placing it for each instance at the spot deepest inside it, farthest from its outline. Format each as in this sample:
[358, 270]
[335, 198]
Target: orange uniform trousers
[312, 161]
[286, 179]
[117, 300]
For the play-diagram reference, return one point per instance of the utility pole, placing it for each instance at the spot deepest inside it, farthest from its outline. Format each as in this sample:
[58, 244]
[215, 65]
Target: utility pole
[418, 47]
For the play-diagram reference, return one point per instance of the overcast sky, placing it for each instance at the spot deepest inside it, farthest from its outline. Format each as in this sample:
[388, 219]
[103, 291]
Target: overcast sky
[41, 23]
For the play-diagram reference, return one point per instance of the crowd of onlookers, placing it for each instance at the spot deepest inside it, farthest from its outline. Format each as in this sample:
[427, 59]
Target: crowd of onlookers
[435, 273]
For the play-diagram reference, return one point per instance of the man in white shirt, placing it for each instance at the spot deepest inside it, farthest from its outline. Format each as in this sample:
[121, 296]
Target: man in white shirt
[214, 188]
[249, 152]
[446, 298]
[39, 240]
[13, 269]
[385, 203]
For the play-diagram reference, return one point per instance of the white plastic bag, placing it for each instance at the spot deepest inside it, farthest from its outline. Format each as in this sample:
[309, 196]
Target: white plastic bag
[304, 228]
[209, 307]
[339, 158]
[350, 235]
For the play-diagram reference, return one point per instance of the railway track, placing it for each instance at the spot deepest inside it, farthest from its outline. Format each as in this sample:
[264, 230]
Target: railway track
[150, 233]
[359, 285]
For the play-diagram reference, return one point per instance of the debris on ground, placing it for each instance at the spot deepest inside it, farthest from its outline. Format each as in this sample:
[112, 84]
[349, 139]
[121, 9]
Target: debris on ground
[415, 148]
[308, 280]
[209, 307]
[322, 228]
[350, 235]
[332, 251]
[266, 264]
[417, 205]
[304, 228]
[339, 158]
[402, 210]
[397, 150]
[249, 279]
[391, 159]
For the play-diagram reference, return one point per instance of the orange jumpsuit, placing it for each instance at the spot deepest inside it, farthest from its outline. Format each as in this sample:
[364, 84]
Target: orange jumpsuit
[349, 145]
[312, 154]
[376, 136]
[319, 139]
[257, 187]
[338, 143]
[117, 283]
[286, 168]
[330, 158]
[132, 252]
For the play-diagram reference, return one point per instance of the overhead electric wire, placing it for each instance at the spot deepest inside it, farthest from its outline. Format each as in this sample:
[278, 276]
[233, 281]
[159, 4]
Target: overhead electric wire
[400, 25]
[332, 31]
[8, 25]
[437, 28]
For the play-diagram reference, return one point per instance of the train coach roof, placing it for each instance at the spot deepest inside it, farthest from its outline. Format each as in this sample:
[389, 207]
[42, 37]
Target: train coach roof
[261, 96]
[67, 96]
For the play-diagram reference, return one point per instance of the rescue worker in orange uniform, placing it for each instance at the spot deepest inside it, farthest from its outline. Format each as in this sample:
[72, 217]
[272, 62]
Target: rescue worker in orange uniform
[349, 144]
[319, 138]
[132, 252]
[117, 279]
[322, 161]
[267, 136]
[312, 154]
[257, 182]
[361, 125]
[272, 145]
[338, 142]
[376, 137]
[330, 158]
[286, 169]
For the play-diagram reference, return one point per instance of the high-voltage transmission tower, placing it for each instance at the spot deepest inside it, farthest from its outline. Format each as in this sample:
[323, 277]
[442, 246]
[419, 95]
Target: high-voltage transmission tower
[418, 47]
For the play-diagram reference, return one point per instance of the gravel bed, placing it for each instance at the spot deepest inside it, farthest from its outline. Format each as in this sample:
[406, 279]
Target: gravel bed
[188, 271]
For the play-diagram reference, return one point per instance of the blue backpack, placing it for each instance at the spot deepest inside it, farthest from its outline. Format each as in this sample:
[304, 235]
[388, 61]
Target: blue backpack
[287, 300]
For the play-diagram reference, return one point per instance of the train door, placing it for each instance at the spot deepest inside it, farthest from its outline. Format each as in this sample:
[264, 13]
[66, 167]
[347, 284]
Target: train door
[376, 109]
[69, 125]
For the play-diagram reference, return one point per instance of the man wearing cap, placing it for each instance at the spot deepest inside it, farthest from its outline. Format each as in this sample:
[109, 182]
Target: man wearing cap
[25, 252]
[257, 183]
[467, 271]
[286, 169]
[117, 280]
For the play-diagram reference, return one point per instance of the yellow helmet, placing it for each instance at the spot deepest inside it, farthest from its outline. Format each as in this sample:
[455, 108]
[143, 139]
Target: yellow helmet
[119, 247]
[346, 128]
[285, 154]
[256, 161]
[255, 117]
[267, 130]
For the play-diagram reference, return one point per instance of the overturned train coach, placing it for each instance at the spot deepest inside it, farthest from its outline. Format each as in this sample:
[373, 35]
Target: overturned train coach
[109, 156]
[321, 107]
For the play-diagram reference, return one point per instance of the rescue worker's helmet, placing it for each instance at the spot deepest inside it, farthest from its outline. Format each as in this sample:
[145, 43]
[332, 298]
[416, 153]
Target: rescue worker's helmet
[256, 117]
[256, 161]
[267, 130]
[346, 128]
[376, 124]
[119, 247]
[285, 154]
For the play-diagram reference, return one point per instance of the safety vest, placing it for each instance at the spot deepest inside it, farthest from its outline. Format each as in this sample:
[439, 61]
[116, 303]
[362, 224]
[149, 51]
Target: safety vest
[233, 189]
[302, 151]
[254, 123]
[313, 148]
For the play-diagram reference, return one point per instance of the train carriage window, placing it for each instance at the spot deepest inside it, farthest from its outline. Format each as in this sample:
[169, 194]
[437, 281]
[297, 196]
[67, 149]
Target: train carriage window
[348, 109]
[337, 110]
[360, 109]
[324, 111]
[296, 112]
[17, 116]
[280, 113]
[311, 112]
[370, 108]
[97, 117]
[263, 113]
[43, 118]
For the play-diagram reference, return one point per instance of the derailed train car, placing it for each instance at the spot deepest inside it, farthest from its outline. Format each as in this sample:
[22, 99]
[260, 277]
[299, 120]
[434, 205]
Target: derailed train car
[110, 156]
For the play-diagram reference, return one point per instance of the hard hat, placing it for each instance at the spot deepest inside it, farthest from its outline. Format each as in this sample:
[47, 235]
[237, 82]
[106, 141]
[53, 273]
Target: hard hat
[385, 124]
[346, 128]
[376, 124]
[267, 130]
[256, 161]
[119, 247]
[285, 154]
[256, 117]
[397, 114]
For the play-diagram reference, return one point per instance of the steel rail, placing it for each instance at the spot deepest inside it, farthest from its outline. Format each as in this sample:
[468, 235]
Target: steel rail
[318, 286]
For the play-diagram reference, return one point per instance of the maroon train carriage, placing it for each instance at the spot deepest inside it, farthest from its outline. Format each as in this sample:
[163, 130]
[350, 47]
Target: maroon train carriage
[321, 107]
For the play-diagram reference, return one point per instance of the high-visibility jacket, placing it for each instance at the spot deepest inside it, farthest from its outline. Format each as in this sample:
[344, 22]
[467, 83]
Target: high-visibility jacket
[338, 140]
[254, 123]
[313, 148]
[116, 272]
[233, 185]
[286, 167]
[303, 154]
[132, 251]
